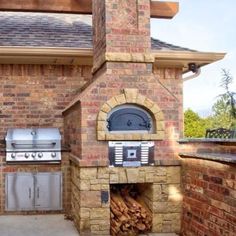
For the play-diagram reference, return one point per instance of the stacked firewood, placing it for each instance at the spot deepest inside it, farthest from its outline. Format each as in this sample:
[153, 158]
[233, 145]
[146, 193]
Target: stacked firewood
[129, 213]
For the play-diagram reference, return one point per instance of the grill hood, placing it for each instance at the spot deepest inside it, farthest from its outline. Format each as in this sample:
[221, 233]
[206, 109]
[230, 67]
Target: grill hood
[35, 138]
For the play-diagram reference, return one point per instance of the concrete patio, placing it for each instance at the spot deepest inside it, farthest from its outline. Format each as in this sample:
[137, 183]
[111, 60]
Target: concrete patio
[37, 225]
[43, 225]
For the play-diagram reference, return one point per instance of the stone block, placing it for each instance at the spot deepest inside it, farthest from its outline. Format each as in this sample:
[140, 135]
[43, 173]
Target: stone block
[88, 173]
[101, 125]
[148, 57]
[157, 223]
[90, 198]
[100, 213]
[122, 176]
[85, 213]
[149, 177]
[140, 99]
[155, 109]
[106, 108]
[159, 116]
[95, 187]
[159, 178]
[137, 57]
[114, 178]
[159, 136]
[132, 175]
[101, 135]
[131, 94]
[102, 116]
[103, 173]
[173, 175]
[160, 125]
[112, 102]
[84, 185]
[120, 99]
[115, 137]
[148, 103]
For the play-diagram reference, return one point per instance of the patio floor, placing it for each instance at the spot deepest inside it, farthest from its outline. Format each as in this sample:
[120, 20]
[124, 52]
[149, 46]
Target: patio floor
[36, 225]
[42, 225]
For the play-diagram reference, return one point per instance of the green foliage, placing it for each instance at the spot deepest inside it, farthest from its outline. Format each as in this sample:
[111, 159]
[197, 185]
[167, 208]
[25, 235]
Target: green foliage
[194, 125]
[224, 112]
[227, 100]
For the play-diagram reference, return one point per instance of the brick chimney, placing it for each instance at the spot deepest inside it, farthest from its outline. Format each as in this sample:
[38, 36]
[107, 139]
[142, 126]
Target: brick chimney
[121, 31]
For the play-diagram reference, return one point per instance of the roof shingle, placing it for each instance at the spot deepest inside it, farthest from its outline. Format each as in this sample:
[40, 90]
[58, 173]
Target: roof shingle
[54, 30]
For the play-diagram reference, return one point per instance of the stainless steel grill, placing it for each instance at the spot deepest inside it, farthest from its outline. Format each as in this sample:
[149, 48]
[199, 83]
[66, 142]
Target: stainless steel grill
[30, 145]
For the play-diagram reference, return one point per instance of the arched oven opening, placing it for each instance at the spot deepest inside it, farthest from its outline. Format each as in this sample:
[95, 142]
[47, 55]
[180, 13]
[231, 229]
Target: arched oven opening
[129, 119]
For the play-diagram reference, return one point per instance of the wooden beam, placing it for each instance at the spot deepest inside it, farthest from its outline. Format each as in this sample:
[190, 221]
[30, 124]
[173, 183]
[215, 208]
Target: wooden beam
[165, 10]
[159, 9]
[59, 6]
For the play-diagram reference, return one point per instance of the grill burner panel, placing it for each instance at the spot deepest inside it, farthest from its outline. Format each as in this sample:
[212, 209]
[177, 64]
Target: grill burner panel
[33, 145]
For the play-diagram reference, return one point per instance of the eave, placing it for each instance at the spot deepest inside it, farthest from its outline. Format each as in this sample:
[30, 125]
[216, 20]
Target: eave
[80, 56]
[53, 56]
[181, 59]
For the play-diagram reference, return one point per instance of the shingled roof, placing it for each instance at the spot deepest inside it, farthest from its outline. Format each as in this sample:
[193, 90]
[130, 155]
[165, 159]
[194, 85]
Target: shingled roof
[54, 30]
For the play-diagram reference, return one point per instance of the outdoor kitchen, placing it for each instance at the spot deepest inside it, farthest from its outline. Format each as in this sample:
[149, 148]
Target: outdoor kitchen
[90, 124]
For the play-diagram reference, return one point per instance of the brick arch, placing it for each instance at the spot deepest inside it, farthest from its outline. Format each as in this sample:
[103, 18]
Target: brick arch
[130, 96]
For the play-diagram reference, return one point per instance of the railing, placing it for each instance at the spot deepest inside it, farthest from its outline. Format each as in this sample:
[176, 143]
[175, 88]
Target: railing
[220, 133]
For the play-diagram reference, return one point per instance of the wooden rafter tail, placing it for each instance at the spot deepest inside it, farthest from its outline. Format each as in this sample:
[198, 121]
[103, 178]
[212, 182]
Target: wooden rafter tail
[159, 9]
[165, 10]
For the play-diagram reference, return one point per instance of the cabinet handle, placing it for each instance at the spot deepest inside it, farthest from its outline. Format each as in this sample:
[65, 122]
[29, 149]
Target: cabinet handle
[38, 192]
[29, 192]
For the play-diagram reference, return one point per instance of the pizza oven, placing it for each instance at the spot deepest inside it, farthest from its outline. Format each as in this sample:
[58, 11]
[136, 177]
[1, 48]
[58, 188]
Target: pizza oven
[130, 119]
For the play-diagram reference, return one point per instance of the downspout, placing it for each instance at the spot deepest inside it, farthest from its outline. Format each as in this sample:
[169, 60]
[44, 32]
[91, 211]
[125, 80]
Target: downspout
[195, 69]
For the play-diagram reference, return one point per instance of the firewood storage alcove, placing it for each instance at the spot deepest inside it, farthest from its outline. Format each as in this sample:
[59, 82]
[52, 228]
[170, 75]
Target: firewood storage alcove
[130, 206]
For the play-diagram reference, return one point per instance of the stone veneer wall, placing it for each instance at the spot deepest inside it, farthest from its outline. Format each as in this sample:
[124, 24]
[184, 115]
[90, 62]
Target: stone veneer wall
[209, 190]
[92, 217]
[34, 96]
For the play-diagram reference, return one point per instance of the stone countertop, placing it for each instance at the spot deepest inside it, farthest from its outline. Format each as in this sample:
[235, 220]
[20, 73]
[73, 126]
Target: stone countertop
[220, 157]
[208, 140]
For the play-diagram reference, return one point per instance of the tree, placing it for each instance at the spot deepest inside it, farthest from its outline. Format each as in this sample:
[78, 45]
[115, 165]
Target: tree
[224, 110]
[194, 125]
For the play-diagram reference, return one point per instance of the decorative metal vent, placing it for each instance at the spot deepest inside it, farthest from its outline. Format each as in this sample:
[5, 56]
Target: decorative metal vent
[131, 154]
[129, 119]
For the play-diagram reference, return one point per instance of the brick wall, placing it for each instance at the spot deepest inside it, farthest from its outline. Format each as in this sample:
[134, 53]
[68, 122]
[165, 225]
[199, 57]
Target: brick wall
[209, 190]
[164, 87]
[34, 96]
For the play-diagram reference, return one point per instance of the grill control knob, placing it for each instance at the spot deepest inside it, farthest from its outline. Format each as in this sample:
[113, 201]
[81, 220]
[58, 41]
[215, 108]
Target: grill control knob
[13, 155]
[53, 154]
[27, 155]
[33, 155]
[40, 155]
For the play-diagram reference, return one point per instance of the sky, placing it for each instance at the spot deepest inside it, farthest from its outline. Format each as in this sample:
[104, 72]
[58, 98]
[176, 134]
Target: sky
[207, 26]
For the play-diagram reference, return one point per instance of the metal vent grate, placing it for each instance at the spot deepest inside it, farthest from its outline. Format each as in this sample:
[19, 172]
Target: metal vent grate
[131, 153]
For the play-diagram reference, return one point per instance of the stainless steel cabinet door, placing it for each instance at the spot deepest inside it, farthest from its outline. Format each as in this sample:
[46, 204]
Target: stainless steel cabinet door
[19, 191]
[48, 191]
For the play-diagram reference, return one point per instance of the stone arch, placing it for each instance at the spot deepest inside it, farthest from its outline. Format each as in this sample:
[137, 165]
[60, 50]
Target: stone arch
[130, 96]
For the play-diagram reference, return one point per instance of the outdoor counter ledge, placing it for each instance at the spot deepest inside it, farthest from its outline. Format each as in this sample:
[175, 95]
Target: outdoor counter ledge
[208, 140]
[220, 157]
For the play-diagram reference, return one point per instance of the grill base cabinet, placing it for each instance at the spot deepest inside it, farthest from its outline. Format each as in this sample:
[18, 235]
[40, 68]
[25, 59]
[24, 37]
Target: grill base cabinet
[33, 191]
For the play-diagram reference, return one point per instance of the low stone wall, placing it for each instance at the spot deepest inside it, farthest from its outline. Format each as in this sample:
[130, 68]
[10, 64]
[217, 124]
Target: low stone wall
[92, 215]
